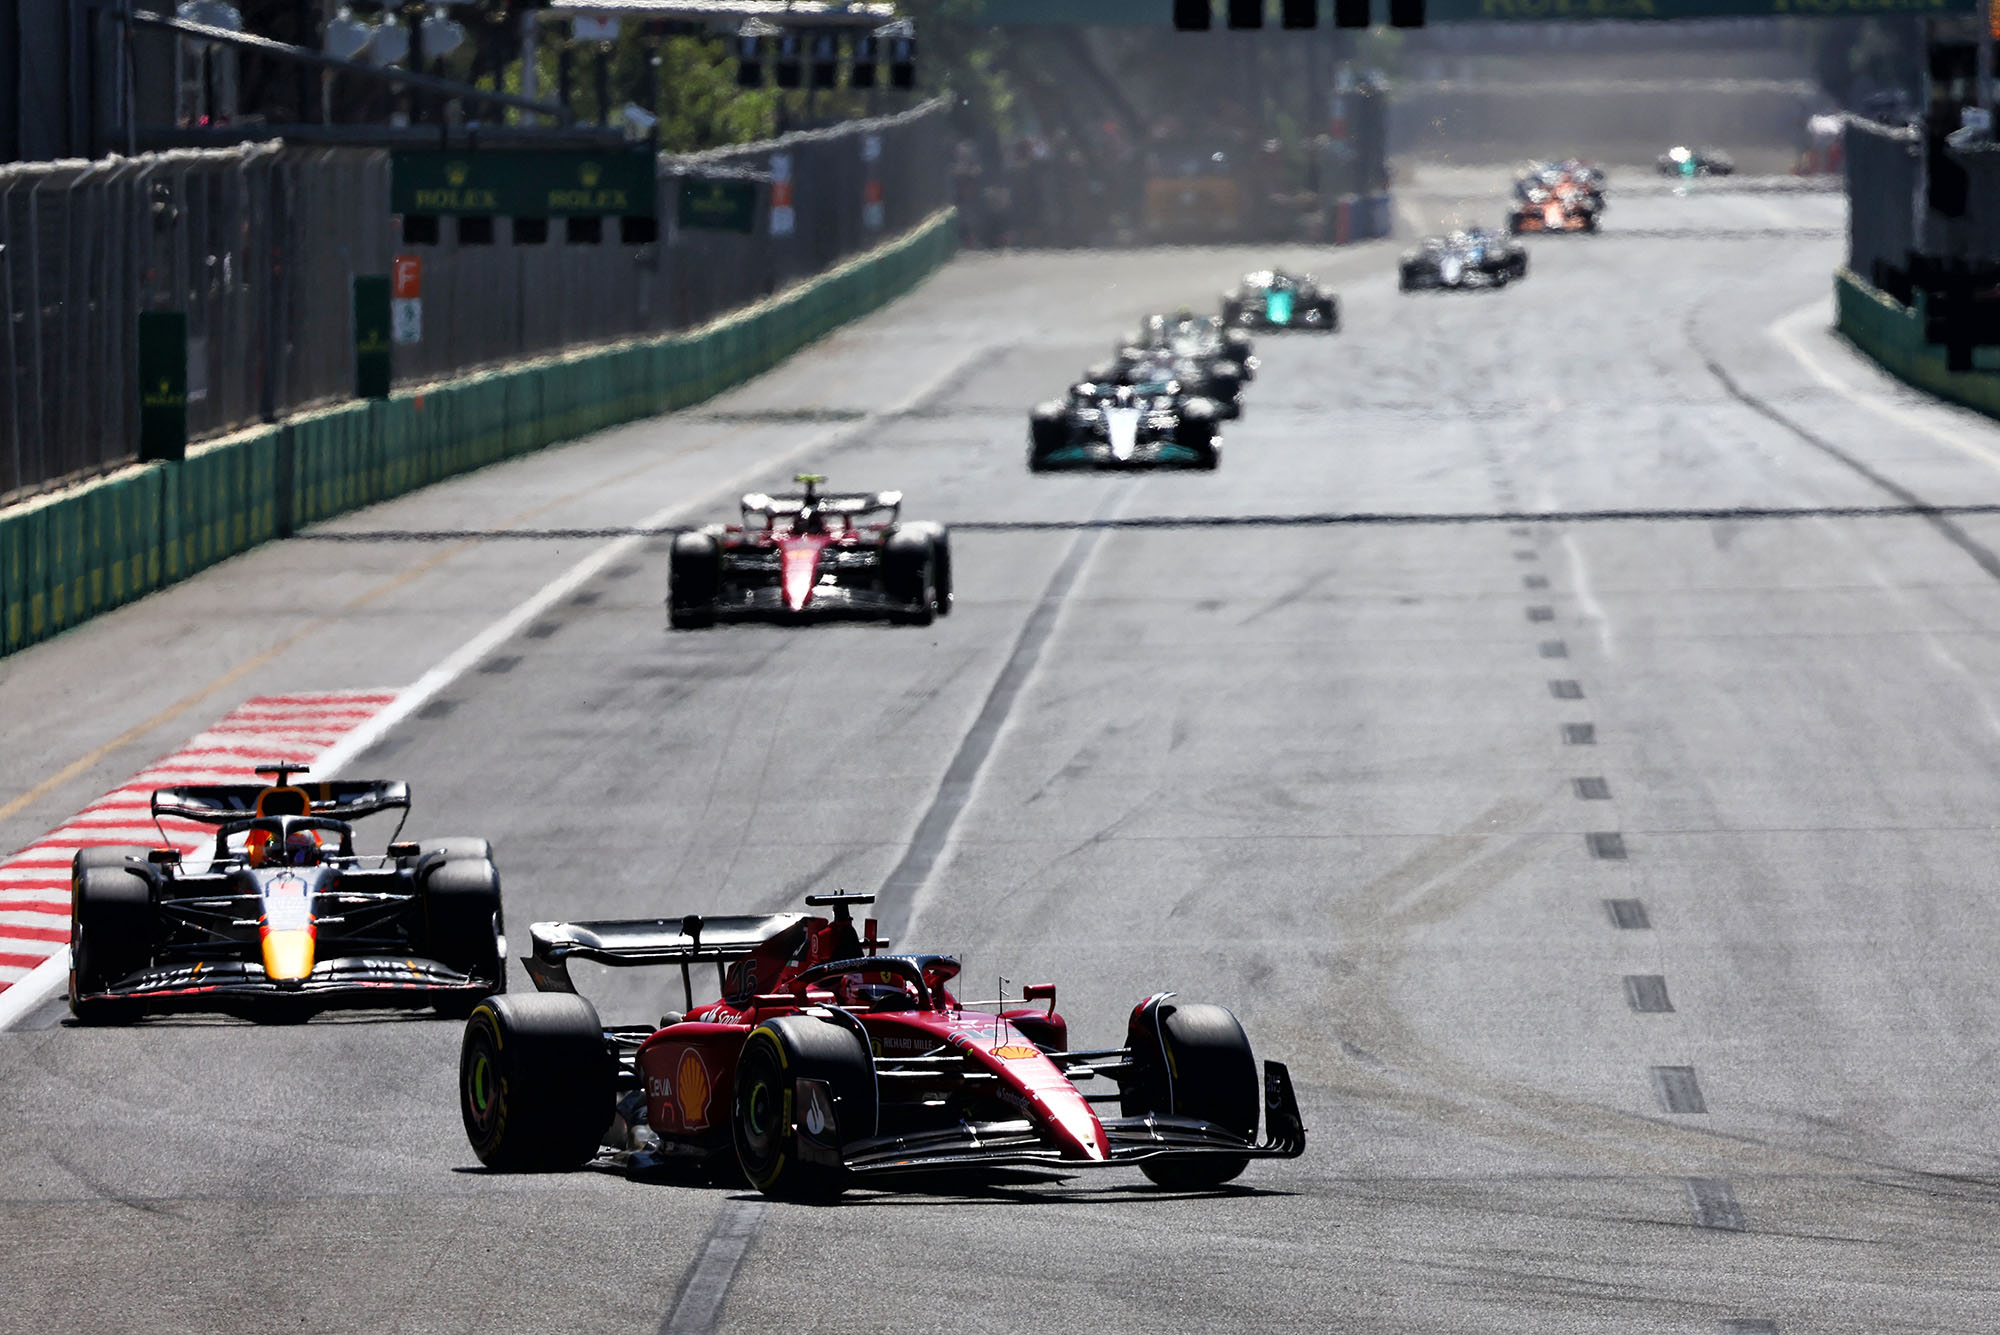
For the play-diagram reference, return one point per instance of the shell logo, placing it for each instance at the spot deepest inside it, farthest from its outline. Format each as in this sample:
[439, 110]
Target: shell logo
[589, 173]
[456, 174]
[1014, 1052]
[694, 1084]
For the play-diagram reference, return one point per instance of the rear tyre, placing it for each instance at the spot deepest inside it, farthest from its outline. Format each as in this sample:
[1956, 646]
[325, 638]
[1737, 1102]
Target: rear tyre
[111, 931]
[1192, 1060]
[909, 574]
[463, 922]
[1331, 308]
[694, 579]
[789, 1070]
[436, 852]
[1232, 311]
[535, 1082]
[1224, 385]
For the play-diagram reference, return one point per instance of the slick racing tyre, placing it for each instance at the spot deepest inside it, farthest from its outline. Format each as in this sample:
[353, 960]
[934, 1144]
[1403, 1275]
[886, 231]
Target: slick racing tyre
[1232, 311]
[910, 573]
[535, 1082]
[1196, 430]
[694, 579]
[1048, 431]
[1224, 385]
[940, 563]
[1330, 314]
[1240, 347]
[805, 1089]
[462, 922]
[111, 932]
[1192, 1060]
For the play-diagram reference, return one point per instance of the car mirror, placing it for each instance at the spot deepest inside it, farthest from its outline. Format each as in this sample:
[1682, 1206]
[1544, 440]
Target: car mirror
[405, 849]
[164, 857]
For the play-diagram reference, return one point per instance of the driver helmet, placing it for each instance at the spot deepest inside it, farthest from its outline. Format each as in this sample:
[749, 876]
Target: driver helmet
[301, 849]
[1126, 396]
[811, 520]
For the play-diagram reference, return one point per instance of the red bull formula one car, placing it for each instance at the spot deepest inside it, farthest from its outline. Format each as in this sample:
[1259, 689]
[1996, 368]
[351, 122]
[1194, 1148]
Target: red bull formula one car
[284, 918]
[827, 1062]
[809, 555]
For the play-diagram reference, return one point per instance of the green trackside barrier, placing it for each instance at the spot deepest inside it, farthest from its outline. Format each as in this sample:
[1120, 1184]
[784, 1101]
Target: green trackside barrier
[1893, 334]
[35, 525]
[13, 582]
[64, 524]
[66, 557]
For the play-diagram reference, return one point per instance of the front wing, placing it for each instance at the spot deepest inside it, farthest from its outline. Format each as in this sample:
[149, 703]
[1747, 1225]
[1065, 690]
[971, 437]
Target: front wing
[1099, 454]
[1132, 1140]
[767, 603]
[339, 983]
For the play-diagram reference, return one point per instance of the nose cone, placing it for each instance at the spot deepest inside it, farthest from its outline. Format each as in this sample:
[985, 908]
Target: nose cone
[801, 569]
[288, 955]
[1122, 426]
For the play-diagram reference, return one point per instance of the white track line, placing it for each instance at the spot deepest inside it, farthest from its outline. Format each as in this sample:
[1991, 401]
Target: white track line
[1788, 331]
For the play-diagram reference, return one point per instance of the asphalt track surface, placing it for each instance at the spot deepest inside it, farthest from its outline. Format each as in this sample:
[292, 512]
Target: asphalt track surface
[1445, 812]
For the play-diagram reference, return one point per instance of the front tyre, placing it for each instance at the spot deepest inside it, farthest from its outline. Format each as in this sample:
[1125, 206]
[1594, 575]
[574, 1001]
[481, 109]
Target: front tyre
[1192, 1060]
[805, 1088]
[694, 581]
[1197, 431]
[111, 930]
[535, 1082]
[910, 573]
[1048, 431]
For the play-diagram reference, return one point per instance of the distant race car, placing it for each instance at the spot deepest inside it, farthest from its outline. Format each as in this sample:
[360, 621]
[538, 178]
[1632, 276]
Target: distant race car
[1463, 259]
[284, 918]
[1684, 161]
[1271, 299]
[809, 555]
[826, 1063]
[1209, 359]
[1146, 422]
[1204, 340]
[1557, 197]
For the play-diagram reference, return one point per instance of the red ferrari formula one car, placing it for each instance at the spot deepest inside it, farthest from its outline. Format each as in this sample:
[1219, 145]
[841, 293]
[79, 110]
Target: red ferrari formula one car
[826, 1061]
[809, 555]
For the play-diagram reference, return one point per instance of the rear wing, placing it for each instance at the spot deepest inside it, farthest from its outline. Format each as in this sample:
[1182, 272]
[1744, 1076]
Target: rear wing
[683, 941]
[221, 803]
[791, 503]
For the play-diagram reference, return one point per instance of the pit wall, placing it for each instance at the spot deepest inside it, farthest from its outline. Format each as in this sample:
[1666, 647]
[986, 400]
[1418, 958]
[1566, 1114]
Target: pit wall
[67, 557]
[1893, 334]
